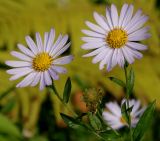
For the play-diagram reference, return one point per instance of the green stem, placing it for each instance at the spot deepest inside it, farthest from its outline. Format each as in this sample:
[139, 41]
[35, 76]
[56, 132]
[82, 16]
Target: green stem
[61, 100]
[127, 99]
[56, 93]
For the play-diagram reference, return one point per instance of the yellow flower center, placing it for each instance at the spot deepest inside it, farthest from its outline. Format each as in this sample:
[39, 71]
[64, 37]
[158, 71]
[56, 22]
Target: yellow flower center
[116, 38]
[42, 62]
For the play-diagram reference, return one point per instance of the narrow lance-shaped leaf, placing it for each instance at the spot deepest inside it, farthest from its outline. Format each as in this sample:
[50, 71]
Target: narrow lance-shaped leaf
[117, 81]
[94, 121]
[70, 121]
[109, 135]
[144, 122]
[67, 91]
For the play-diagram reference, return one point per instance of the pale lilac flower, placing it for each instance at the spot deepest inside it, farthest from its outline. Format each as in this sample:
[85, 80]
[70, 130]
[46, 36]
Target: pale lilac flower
[113, 116]
[40, 63]
[115, 38]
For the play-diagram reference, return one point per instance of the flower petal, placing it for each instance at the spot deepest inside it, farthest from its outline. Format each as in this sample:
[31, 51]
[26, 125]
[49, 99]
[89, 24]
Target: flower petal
[59, 69]
[106, 59]
[138, 24]
[114, 15]
[63, 60]
[93, 34]
[47, 78]
[60, 45]
[20, 74]
[42, 82]
[128, 16]
[122, 14]
[109, 19]
[53, 74]
[128, 56]
[18, 63]
[31, 44]
[100, 56]
[21, 56]
[51, 38]
[92, 39]
[139, 32]
[120, 58]
[62, 50]
[95, 52]
[46, 37]
[101, 21]
[27, 80]
[136, 46]
[135, 18]
[18, 70]
[39, 42]
[139, 37]
[93, 45]
[114, 108]
[55, 44]
[36, 79]
[95, 28]
[25, 50]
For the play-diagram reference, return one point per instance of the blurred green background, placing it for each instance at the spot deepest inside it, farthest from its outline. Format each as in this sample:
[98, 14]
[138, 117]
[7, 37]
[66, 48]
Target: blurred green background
[26, 113]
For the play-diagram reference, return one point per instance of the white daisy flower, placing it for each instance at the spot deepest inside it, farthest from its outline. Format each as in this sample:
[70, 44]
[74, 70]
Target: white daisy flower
[39, 62]
[114, 38]
[113, 117]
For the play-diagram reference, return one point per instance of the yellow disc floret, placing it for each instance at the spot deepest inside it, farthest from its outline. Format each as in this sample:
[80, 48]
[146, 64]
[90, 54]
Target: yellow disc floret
[42, 62]
[117, 38]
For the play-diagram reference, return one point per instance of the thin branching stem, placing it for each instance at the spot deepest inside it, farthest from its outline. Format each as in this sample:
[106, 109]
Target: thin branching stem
[61, 100]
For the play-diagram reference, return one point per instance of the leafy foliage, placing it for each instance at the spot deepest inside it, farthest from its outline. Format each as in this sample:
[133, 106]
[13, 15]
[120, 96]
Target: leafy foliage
[144, 122]
[67, 91]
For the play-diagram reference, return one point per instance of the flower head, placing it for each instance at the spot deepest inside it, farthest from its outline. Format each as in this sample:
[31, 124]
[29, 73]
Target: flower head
[114, 38]
[39, 62]
[93, 97]
[113, 116]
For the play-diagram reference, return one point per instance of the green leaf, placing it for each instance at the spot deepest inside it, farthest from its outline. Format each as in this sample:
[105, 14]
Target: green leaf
[131, 79]
[67, 91]
[94, 121]
[144, 122]
[7, 127]
[117, 81]
[70, 121]
[109, 135]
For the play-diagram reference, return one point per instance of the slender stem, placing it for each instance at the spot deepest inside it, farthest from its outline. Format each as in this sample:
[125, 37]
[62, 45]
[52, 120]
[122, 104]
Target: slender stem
[127, 99]
[61, 100]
